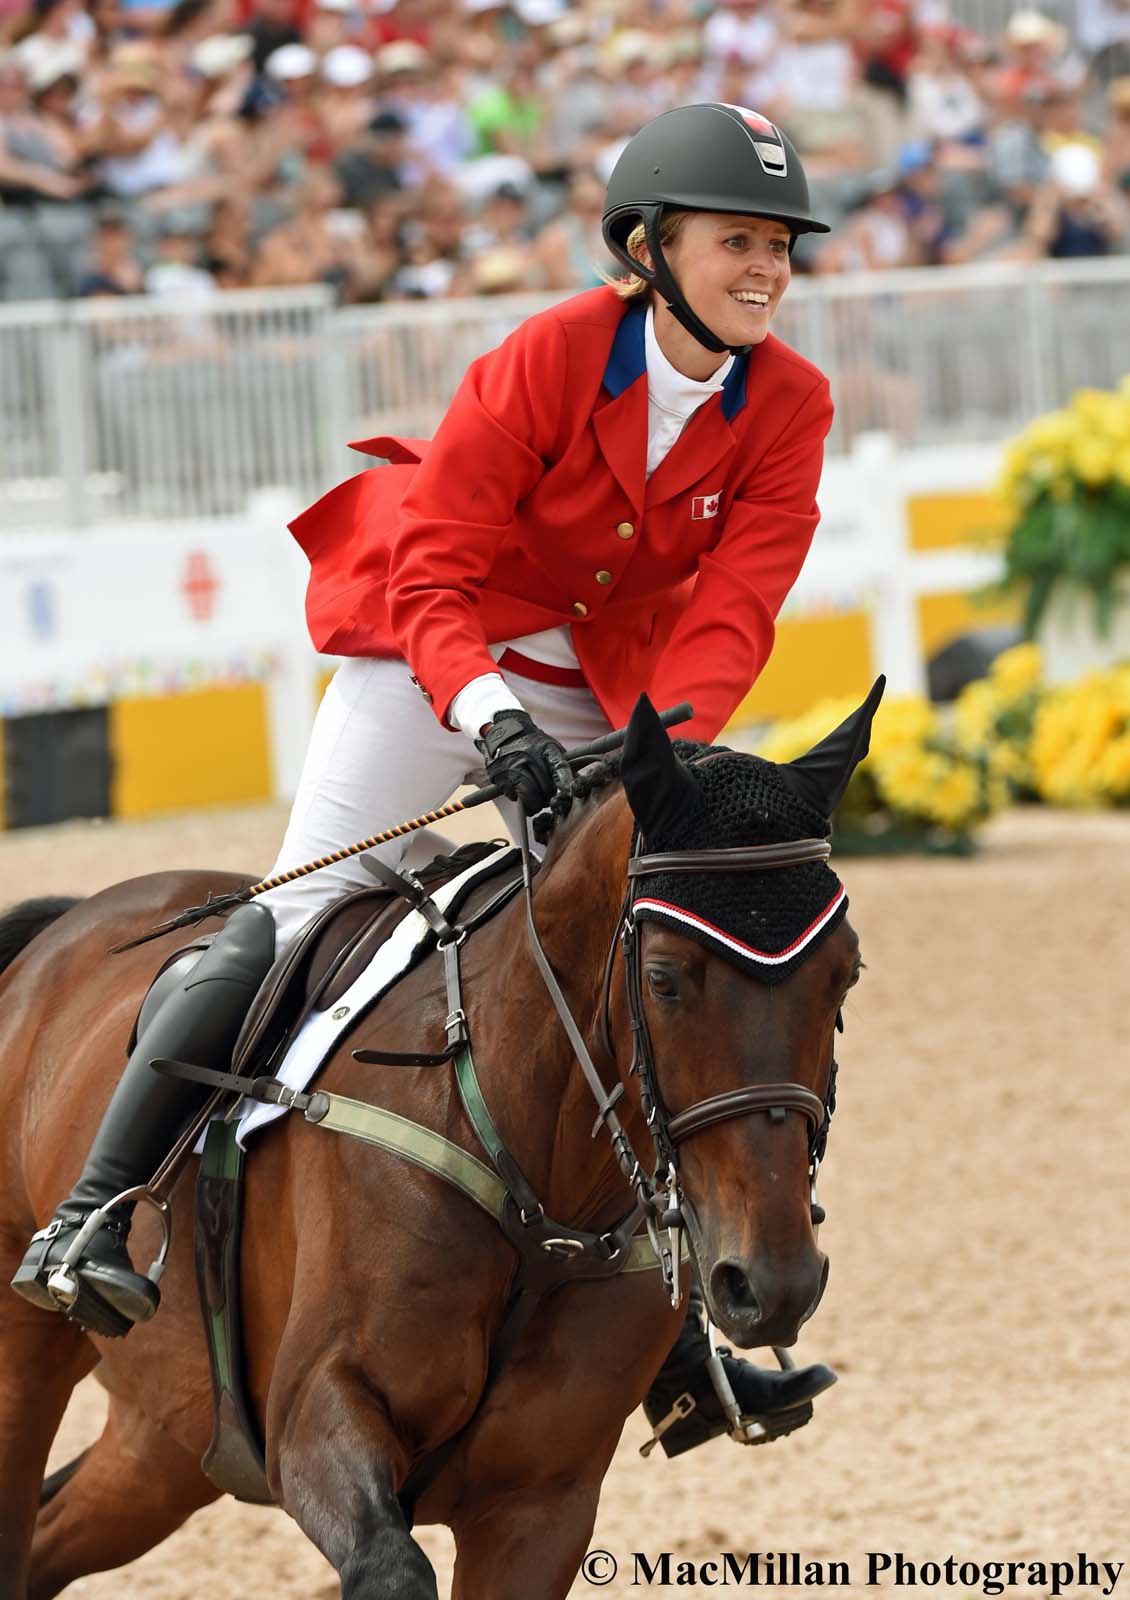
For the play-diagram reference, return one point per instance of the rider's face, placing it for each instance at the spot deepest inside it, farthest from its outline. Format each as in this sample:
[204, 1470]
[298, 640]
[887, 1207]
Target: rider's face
[722, 262]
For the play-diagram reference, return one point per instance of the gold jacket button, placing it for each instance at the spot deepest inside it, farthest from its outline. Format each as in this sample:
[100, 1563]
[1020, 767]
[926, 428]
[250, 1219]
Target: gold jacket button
[624, 530]
[602, 576]
[580, 609]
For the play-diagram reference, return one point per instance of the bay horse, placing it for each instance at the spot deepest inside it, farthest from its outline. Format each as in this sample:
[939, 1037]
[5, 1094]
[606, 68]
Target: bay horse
[371, 1290]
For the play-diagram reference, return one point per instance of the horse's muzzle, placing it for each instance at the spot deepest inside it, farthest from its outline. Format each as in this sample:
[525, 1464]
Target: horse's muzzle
[754, 1308]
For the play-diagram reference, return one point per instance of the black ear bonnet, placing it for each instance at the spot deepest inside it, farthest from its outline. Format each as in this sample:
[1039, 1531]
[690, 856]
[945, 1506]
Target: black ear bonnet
[706, 797]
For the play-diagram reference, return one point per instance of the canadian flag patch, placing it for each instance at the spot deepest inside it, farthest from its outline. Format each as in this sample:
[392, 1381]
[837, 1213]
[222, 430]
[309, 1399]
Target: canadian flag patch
[705, 505]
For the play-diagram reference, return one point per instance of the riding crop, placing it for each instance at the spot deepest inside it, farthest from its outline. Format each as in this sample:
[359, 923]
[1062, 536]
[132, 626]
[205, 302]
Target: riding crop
[220, 905]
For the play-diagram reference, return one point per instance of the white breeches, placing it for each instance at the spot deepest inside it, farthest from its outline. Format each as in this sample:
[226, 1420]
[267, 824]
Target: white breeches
[378, 756]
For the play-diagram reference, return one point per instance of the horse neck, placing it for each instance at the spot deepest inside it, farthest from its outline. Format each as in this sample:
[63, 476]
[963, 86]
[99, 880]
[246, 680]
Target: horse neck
[577, 900]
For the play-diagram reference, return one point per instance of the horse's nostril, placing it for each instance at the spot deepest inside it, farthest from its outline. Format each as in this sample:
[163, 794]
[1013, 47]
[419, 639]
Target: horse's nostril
[730, 1287]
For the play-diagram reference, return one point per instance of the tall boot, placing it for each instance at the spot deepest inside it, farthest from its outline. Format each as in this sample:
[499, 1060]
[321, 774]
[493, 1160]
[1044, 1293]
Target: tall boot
[687, 1404]
[198, 1022]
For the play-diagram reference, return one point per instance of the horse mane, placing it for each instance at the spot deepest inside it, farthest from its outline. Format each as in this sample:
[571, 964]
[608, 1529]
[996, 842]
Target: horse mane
[19, 926]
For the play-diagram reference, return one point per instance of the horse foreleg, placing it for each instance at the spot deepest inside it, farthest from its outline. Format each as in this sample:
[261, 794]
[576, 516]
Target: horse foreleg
[525, 1545]
[129, 1491]
[337, 1461]
[42, 1357]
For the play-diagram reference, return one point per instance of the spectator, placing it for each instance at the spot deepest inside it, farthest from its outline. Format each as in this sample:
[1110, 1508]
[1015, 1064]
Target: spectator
[743, 29]
[571, 250]
[379, 254]
[1016, 161]
[1076, 213]
[320, 244]
[59, 42]
[813, 87]
[411, 84]
[942, 104]
[1034, 48]
[374, 164]
[346, 102]
[176, 274]
[134, 134]
[433, 244]
[34, 163]
[508, 118]
[113, 268]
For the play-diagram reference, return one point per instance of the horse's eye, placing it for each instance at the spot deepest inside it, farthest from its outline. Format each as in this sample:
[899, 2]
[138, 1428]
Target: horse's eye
[662, 984]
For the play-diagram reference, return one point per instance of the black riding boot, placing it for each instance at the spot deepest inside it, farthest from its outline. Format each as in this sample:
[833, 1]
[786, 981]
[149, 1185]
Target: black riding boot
[685, 1407]
[199, 1021]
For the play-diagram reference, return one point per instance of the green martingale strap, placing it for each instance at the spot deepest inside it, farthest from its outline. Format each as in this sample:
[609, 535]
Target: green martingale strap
[416, 1144]
[475, 1106]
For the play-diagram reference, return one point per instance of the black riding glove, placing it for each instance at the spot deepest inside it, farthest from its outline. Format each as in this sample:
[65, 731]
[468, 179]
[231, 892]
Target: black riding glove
[525, 763]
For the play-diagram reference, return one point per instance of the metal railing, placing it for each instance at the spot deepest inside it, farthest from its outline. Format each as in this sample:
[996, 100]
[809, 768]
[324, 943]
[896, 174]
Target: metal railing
[131, 409]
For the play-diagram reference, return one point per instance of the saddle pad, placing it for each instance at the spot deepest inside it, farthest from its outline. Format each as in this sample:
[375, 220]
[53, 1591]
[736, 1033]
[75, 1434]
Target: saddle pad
[320, 1034]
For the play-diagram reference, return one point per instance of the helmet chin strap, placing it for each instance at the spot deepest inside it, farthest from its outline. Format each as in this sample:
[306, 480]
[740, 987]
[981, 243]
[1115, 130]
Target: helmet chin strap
[662, 279]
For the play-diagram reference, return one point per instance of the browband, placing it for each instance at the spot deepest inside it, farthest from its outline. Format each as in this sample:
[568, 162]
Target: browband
[793, 853]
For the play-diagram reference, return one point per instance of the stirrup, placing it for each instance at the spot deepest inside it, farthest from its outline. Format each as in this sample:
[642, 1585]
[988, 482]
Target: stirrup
[64, 1285]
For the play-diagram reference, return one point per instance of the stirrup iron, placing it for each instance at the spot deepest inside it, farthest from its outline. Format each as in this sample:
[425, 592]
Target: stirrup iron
[63, 1284]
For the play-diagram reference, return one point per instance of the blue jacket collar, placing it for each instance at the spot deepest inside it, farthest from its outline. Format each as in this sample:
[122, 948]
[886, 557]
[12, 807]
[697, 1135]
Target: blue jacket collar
[626, 363]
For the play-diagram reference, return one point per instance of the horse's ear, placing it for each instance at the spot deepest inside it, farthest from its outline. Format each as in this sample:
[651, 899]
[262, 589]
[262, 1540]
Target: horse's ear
[822, 775]
[659, 788]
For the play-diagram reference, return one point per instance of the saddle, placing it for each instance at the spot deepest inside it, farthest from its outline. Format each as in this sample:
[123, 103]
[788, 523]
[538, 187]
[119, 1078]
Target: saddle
[334, 948]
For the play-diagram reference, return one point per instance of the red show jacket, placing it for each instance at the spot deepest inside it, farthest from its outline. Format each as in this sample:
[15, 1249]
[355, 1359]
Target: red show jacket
[531, 508]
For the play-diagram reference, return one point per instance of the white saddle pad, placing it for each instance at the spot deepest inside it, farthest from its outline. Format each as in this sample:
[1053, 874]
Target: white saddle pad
[319, 1034]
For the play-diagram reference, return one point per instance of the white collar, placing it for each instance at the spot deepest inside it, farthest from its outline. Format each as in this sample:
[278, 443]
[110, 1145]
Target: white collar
[670, 389]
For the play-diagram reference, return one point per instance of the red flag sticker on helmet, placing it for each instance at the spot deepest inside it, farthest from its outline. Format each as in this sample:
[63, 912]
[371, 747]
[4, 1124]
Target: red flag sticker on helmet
[754, 120]
[773, 160]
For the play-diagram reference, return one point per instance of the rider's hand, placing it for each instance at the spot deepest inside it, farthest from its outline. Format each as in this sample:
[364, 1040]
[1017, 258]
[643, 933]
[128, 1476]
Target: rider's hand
[526, 763]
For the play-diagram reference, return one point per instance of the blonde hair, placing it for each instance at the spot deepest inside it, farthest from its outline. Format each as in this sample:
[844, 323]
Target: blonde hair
[633, 287]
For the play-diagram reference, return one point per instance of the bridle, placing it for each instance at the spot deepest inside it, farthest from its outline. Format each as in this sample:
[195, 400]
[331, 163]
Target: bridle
[661, 1198]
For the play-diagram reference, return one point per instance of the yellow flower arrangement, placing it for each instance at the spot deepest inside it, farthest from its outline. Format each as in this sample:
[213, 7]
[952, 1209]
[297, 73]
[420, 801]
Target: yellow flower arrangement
[1067, 479]
[1080, 749]
[993, 717]
[1068, 746]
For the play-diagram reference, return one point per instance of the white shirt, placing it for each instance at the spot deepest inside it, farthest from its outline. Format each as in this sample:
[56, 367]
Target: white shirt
[672, 400]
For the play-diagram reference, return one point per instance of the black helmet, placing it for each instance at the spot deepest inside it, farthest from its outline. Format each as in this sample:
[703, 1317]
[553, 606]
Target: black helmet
[702, 158]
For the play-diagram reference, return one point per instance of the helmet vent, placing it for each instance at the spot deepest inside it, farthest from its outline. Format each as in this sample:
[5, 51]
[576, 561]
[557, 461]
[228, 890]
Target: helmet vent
[772, 158]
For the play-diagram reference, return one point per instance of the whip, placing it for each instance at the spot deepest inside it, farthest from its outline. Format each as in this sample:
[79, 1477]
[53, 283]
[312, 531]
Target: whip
[220, 905]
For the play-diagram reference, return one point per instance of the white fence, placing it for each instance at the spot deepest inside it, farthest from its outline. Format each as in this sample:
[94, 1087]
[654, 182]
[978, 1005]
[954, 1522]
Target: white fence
[130, 410]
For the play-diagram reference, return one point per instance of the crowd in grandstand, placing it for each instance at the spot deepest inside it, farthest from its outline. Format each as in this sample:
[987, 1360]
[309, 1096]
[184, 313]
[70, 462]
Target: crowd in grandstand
[425, 148]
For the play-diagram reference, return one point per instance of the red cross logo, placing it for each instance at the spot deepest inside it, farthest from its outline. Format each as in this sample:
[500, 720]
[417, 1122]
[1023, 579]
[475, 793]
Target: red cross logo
[200, 585]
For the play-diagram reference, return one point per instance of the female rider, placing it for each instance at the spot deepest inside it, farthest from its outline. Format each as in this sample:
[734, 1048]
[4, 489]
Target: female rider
[619, 498]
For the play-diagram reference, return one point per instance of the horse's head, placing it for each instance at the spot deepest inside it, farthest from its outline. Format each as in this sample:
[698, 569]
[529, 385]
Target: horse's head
[738, 970]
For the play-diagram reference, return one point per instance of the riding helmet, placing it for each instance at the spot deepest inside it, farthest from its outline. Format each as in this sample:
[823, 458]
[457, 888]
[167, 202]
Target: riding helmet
[709, 157]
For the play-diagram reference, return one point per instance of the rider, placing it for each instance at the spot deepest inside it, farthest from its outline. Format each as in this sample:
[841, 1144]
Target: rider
[619, 498]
